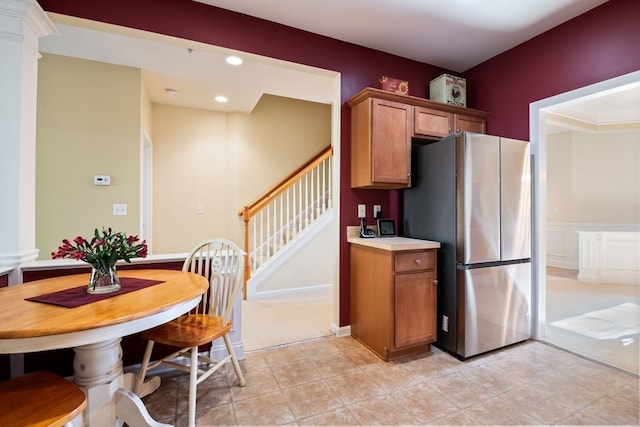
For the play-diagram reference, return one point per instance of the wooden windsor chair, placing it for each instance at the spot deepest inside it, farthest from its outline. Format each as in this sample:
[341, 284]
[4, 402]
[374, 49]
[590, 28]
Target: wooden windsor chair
[222, 263]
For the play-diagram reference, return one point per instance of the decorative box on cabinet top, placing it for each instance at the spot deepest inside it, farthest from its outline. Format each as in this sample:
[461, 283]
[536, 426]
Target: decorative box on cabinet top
[449, 89]
[393, 85]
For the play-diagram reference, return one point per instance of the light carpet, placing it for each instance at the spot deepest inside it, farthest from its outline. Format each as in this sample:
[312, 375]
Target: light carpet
[277, 321]
[607, 324]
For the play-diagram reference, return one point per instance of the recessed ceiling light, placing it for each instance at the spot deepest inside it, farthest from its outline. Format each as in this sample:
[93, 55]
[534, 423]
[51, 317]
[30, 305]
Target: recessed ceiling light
[221, 98]
[234, 60]
[171, 92]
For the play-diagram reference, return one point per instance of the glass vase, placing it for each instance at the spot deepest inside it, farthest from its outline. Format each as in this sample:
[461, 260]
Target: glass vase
[103, 280]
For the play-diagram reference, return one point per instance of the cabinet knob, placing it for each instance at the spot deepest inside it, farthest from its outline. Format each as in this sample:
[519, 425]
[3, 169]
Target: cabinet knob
[418, 261]
[435, 282]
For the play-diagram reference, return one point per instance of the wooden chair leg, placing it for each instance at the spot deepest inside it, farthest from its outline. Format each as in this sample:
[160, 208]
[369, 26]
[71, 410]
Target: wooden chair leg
[143, 369]
[193, 384]
[234, 360]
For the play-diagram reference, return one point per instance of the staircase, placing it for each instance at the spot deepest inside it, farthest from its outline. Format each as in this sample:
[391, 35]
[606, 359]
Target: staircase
[284, 215]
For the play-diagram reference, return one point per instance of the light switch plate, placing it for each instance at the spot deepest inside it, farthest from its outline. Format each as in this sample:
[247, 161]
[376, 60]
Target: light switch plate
[119, 209]
[102, 180]
[362, 211]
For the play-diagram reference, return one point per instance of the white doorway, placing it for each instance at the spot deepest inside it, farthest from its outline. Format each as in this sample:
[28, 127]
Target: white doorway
[558, 288]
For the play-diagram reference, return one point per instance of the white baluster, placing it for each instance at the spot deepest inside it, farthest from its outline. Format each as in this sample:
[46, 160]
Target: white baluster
[300, 206]
[288, 217]
[306, 192]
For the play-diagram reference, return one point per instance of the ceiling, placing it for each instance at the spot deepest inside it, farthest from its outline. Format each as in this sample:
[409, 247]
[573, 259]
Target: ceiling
[469, 33]
[451, 34]
[196, 72]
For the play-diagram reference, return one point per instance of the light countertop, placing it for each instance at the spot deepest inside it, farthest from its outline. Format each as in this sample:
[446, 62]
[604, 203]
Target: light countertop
[389, 243]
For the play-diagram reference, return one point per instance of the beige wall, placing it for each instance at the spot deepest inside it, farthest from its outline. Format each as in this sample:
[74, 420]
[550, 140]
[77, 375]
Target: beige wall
[223, 162]
[91, 118]
[190, 170]
[88, 123]
[311, 266]
[593, 177]
[282, 134]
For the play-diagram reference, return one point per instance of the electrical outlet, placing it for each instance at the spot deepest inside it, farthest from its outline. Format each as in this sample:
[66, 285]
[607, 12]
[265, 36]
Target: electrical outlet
[377, 209]
[362, 211]
[445, 323]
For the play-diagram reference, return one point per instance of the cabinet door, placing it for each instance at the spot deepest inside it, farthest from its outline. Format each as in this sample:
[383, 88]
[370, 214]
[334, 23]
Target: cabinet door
[429, 122]
[464, 123]
[391, 130]
[415, 309]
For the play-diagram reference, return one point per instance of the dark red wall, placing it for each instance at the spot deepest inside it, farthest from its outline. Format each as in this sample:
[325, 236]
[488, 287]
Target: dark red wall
[4, 280]
[359, 67]
[595, 46]
[602, 43]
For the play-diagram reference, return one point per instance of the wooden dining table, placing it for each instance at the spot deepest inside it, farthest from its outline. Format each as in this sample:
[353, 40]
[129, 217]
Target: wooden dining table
[94, 330]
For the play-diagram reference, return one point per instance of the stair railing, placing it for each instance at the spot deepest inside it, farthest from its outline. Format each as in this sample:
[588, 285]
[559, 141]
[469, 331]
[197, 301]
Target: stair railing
[284, 211]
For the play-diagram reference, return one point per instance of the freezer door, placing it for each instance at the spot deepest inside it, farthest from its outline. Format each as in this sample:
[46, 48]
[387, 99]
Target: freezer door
[495, 306]
[478, 190]
[515, 204]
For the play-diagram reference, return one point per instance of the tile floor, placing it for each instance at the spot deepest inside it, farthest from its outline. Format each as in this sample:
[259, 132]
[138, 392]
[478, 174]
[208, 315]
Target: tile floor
[337, 381]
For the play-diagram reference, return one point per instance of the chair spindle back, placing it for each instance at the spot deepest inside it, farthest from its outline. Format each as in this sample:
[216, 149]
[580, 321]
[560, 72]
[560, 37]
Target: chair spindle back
[222, 263]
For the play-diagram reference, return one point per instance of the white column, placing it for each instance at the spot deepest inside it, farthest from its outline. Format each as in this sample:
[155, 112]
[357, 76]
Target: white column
[22, 23]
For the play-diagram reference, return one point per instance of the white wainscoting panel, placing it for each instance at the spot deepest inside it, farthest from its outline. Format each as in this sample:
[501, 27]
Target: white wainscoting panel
[609, 257]
[563, 250]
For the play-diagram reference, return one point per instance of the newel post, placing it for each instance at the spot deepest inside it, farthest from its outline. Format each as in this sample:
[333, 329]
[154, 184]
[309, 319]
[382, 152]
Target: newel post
[247, 267]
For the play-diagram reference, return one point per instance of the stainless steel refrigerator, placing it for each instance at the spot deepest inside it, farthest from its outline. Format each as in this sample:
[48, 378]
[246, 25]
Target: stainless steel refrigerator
[472, 193]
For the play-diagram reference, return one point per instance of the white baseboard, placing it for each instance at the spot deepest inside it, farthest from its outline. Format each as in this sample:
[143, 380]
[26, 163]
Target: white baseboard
[278, 293]
[341, 331]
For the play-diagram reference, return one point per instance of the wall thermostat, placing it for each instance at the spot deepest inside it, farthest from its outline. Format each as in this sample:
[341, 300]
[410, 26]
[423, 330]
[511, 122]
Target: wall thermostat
[102, 180]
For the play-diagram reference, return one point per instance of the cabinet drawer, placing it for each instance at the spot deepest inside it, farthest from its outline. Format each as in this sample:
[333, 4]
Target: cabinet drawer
[414, 261]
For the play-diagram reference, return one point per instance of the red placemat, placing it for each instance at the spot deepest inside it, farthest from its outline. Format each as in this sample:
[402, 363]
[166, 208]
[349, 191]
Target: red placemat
[75, 297]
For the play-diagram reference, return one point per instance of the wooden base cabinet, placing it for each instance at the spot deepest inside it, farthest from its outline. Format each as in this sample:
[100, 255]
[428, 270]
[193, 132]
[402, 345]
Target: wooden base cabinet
[393, 300]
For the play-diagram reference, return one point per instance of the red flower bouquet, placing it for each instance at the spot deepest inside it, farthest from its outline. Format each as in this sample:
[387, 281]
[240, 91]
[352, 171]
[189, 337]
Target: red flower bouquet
[102, 252]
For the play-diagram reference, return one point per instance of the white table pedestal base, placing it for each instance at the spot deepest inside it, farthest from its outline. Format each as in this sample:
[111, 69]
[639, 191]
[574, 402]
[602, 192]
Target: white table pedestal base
[98, 371]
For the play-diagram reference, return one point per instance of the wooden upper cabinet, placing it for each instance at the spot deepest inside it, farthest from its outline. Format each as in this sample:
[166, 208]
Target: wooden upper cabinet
[432, 123]
[381, 144]
[464, 123]
[382, 126]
